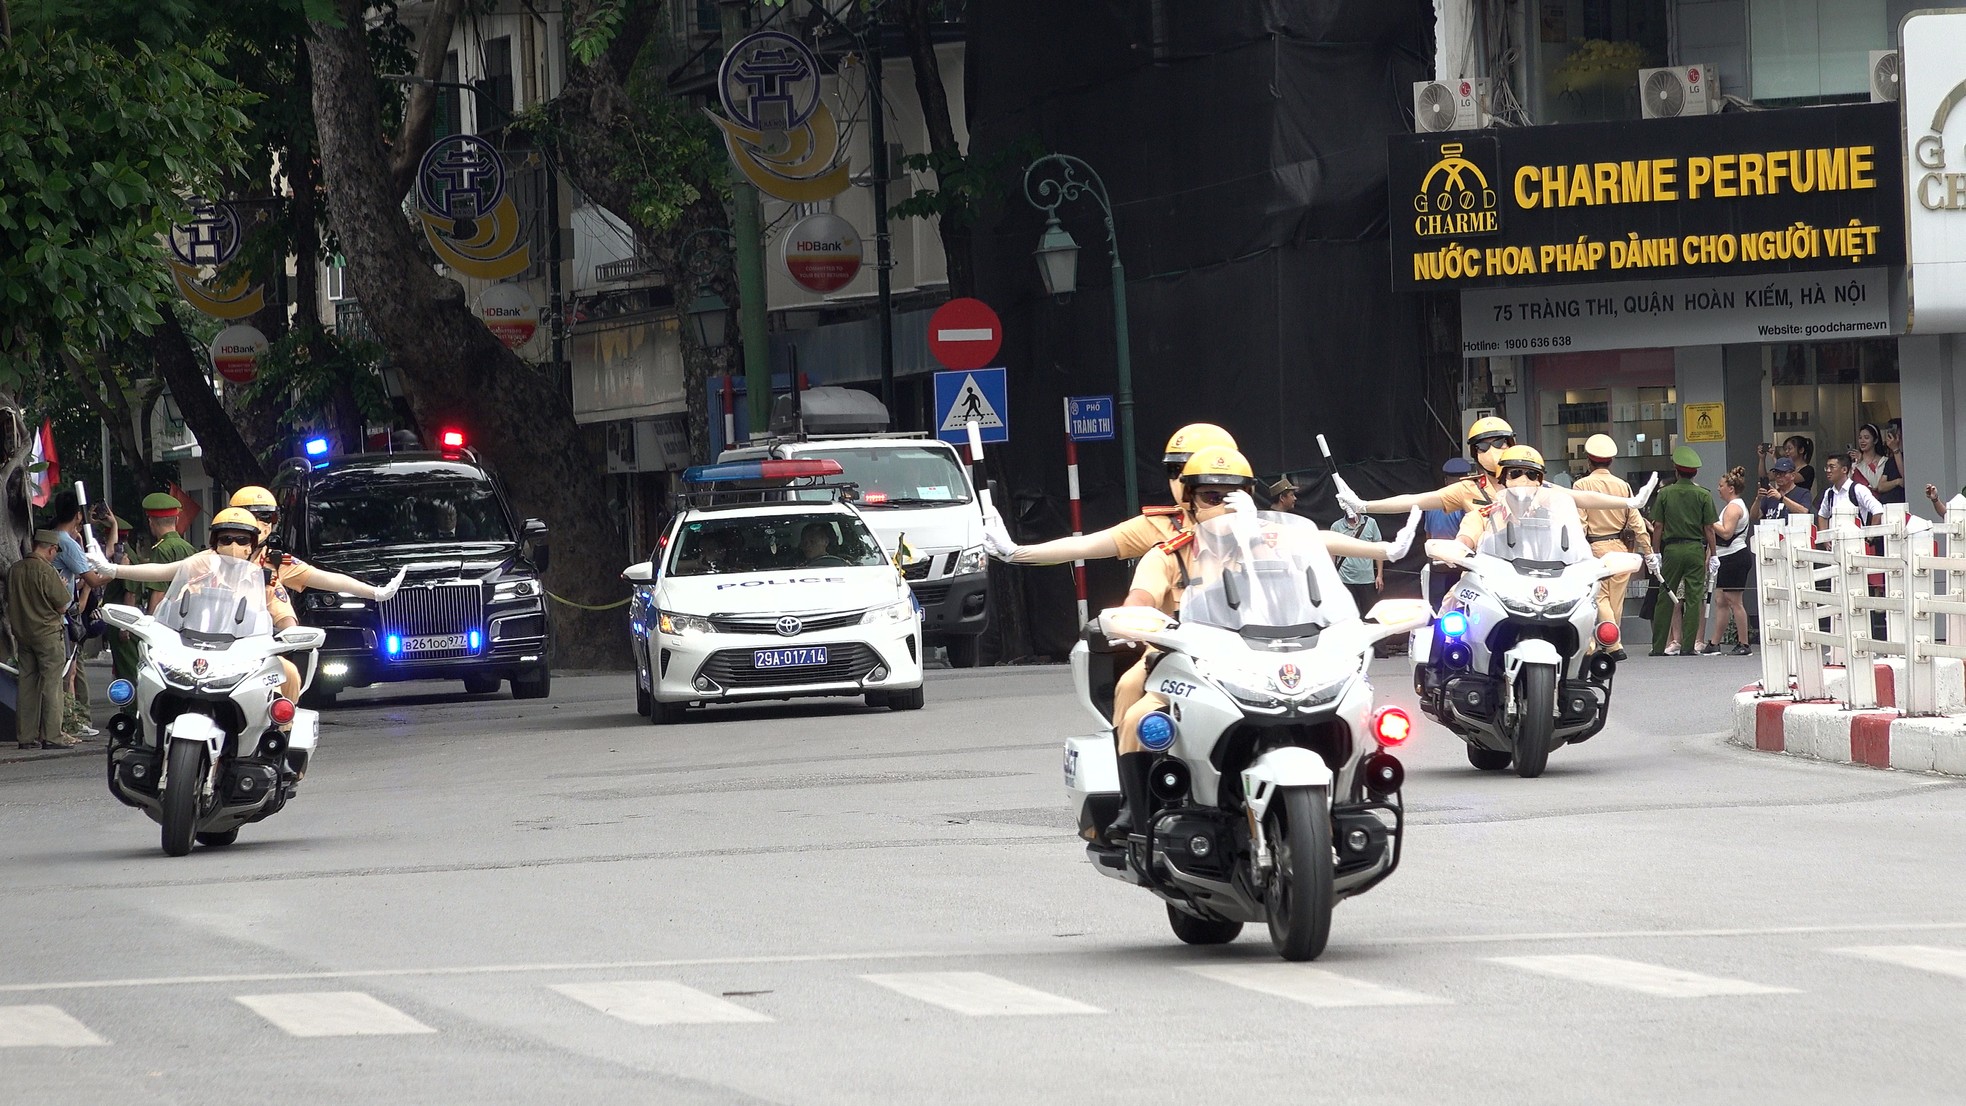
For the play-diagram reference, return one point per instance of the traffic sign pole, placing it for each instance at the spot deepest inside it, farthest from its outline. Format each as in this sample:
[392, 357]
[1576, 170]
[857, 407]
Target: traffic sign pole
[1072, 491]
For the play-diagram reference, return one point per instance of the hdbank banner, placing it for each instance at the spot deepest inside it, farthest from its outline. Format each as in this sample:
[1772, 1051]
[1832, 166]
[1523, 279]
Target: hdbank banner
[1933, 95]
[1735, 194]
[1791, 307]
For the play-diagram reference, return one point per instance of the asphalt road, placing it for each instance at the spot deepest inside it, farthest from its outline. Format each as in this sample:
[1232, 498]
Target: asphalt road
[479, 900]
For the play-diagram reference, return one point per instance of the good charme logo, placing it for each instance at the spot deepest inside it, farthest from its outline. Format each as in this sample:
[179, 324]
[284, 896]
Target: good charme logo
[1938, 189]
[1457, 196]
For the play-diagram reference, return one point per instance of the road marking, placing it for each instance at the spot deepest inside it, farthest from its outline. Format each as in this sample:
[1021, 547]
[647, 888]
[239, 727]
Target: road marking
[978, 994]
[965, 334]
[656, 1002]
[1925, 958]
[1632, 975]
[332, 1014]
[23, 1026]
[1310, 986]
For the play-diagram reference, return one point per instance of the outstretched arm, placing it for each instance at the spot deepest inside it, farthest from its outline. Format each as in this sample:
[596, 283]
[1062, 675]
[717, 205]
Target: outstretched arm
[1086, 547]
[335, 581]
[1340, 545]
[142, 574]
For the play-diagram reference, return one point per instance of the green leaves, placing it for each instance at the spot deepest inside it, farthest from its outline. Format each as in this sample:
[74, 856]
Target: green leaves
[591, 36]
[98, 151]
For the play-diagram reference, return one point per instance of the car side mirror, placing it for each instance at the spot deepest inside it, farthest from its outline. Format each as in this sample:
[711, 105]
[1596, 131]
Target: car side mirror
[640, 573]
[533, 532]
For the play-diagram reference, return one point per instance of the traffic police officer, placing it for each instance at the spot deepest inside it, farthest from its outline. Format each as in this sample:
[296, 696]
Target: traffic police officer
[1614, 531]
[37, 597]
[1487, 438]
[1683, 520]
[166, 546]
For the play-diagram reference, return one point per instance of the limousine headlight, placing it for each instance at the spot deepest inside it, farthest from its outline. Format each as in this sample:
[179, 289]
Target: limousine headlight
[514, 589]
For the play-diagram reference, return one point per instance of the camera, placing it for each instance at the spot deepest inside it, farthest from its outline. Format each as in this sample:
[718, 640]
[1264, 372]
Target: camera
[1766, 483]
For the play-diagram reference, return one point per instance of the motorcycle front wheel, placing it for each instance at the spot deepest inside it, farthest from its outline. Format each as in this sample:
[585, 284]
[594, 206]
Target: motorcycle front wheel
[1535, 720]
[186, 772]
[1300, 896]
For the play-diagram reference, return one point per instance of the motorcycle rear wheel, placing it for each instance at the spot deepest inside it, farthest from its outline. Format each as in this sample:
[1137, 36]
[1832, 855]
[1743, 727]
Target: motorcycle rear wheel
[1536, 720]
[1201, 931]
[220, 838]
[187, 771]
[1300, 896]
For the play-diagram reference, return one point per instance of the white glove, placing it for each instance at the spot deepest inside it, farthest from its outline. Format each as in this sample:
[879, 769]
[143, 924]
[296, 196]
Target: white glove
[1644, 495]
[1403, 540]
[1655, 566]
[1240, 502]
[98, 563]
[1713, 566]
[1347, 498]
[388, 591]
[997, 541]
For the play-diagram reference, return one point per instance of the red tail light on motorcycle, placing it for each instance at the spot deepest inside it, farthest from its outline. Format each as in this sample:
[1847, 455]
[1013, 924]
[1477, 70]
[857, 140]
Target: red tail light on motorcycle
[1607, 633]
[1392, 726]
[282, 711]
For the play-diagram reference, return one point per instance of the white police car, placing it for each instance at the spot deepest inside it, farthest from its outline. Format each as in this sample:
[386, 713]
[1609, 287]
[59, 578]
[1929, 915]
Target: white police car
[751, 596]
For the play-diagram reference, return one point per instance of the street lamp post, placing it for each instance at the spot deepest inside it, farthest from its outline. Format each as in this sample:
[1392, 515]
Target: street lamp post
[707, 310]
[1057, 254]
[556, 322]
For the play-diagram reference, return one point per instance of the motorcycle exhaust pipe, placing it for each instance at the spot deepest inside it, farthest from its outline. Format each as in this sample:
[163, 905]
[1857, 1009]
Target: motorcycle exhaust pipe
[1169, 783]
[1384, 774]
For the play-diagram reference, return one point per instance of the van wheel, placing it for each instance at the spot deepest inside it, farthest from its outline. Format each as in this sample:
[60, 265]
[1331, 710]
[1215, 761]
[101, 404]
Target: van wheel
[911, 699]
[534, 685]
[667, 714]
[964, 651]
[877, 698]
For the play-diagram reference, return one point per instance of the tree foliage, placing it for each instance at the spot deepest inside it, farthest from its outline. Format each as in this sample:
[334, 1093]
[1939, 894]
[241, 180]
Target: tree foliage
[99, 150]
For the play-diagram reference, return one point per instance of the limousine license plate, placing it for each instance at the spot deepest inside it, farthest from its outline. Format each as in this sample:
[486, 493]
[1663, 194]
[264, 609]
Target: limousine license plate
[801, 657]
[433, 643]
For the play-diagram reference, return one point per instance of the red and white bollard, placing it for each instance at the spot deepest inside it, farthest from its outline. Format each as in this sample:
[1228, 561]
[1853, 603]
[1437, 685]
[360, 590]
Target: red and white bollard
[1072, 492]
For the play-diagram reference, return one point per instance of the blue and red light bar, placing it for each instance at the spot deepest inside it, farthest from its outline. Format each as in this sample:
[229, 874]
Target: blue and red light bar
[733, 471]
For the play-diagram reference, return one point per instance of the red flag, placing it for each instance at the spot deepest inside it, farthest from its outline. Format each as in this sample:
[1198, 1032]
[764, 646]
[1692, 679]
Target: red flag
[42, 484]
[187, 516]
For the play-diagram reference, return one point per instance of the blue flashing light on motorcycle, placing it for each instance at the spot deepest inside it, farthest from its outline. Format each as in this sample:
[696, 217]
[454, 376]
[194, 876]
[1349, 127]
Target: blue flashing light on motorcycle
[1454, 624]
[733, 471]
[121, 692]
[1156, 731]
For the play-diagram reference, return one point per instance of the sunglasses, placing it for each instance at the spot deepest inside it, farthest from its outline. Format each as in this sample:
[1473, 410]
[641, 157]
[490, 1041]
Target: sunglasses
[1484, 444]
[1516, 474]
[1212, 496]
[223, 540]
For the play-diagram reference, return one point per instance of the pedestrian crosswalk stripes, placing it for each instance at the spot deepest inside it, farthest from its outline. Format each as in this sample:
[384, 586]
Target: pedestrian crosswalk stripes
[332, 1014]
[1633, 975]
[43, 1025]
[978, 994]
[1925, 958]
[1310, 986]
[657, 1002]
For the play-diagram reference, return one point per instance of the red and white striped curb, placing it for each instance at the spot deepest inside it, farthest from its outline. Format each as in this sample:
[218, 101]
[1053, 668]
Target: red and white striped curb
[1880, 738]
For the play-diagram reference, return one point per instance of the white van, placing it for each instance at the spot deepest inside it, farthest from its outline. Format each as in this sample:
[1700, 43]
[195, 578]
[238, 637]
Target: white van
[913, 488]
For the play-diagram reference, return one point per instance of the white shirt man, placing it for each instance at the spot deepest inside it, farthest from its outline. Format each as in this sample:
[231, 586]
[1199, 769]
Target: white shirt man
[1840, 489]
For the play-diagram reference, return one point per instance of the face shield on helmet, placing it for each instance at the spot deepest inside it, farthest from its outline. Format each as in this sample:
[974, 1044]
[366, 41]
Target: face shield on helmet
[1210, 476]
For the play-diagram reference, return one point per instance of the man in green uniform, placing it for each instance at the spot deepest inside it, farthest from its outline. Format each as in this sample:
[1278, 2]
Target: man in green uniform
[37, 596]
[166, 546]
[1683, 514]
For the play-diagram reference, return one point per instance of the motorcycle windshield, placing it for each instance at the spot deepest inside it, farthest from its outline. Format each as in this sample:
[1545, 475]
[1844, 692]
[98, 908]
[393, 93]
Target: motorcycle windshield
[215, 599]
[1270, 575]
[1537, 527]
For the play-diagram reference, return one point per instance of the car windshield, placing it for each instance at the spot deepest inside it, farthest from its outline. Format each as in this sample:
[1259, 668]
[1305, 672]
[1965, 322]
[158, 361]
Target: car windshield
[905, 474]
[215, 598]
[1272, 574]
[1538, 527]
[386, 508]
[708, 545]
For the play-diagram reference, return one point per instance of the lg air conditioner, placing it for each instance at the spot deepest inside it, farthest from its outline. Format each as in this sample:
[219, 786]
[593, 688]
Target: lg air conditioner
[1883, 76]
[1457, 105]
[1684, 90]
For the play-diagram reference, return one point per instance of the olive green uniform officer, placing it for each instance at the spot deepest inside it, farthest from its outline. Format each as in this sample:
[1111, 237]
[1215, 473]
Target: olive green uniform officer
[166, 546]
[1683, 514]
[37, 596]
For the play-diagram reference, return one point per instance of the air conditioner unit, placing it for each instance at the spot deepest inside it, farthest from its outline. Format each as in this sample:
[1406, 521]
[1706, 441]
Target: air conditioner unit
[1684, 90]
[1884, 66]
[621, 447]
[1457, 105]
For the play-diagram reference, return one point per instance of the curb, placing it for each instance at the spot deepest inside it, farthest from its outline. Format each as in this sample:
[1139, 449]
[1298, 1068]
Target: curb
[16, 755]
[1881, 738]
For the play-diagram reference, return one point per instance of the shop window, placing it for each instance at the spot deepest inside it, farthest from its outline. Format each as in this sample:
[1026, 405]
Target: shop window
[1825, 390]
[1627, 394]
[498, 81]
[1585, 56]
[449, 115]
[1808, 51]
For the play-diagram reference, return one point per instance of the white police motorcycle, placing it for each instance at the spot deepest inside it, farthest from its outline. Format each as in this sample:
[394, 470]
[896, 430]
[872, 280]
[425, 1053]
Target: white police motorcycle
[1506, 665]
[197, 744]
[1274, 797]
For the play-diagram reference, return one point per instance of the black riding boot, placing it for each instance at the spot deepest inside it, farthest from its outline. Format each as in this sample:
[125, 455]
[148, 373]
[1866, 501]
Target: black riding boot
[1135, 768]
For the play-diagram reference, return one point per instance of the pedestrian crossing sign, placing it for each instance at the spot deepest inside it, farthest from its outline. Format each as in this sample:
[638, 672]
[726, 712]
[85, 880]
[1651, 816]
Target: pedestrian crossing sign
[977, 394]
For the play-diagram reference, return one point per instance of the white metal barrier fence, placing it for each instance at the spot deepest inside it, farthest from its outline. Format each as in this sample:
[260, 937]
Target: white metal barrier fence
[1816, 604]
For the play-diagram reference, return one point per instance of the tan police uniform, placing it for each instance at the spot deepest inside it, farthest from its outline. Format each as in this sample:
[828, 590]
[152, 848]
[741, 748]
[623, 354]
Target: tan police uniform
[1613, 531]
[1162, 574]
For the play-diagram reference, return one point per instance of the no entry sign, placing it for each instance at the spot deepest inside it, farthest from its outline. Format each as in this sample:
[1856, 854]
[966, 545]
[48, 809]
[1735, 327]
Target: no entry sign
[964, 334]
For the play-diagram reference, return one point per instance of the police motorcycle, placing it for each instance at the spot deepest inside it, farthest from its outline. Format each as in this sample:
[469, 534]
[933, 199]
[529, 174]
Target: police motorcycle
[1275, 796]
[198, 743]
[1505, 665]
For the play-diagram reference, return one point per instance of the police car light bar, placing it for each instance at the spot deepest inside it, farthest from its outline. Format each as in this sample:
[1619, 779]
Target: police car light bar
[316, 447]
[452, 439]
[733, 471]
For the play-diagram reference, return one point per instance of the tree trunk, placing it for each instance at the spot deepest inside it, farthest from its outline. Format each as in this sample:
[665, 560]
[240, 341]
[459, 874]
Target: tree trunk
[955, 232]
[227, 457]
[457, 371]
[105, 396]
